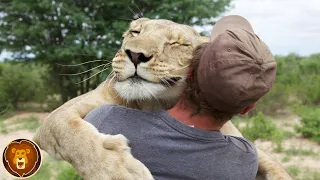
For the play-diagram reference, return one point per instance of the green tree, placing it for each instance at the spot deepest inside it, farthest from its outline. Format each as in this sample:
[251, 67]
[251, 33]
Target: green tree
[20, 83]
[77, 31]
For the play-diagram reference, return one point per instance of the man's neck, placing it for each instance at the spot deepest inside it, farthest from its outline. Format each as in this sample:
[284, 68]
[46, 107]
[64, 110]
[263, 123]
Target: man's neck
[183, 113]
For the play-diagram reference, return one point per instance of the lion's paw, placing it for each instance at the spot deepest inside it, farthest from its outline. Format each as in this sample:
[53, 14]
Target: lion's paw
[115, 142]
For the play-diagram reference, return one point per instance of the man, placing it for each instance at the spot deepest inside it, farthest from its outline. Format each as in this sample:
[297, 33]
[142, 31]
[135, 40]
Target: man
[227, 77]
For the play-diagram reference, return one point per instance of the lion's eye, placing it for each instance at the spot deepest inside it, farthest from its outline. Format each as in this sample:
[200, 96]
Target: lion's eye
[135, 33]
[177, 43]
[174, 43]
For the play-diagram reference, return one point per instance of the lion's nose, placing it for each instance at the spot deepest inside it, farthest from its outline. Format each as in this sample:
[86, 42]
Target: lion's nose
[20, 158]
[137, 57]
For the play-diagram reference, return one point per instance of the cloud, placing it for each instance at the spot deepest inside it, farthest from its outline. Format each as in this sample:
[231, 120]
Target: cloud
[286, 25]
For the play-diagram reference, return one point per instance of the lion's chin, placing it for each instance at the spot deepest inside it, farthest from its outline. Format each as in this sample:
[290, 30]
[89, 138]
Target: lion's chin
[131, 90]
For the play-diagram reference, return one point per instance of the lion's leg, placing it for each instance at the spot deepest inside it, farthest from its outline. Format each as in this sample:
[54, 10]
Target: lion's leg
[65, 135]
[268, 168]
[271, 169]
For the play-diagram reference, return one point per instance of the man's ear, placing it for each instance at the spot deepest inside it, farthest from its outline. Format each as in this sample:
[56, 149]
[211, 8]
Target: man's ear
[13, 150]
[247, 109]
[189, 75]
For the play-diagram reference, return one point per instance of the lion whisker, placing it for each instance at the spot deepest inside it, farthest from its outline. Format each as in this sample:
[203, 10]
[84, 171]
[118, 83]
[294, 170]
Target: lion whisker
[82, 63]
[91, 76]
[104, 65]
[140, 12]
[111, 80]
[179, 68]
[172, 81]
[111, 73]
[135, 15]
[165, 81]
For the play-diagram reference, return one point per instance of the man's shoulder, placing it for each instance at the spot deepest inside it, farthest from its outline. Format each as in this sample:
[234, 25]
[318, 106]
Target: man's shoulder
[97, 115]
[242, 144]
[243, 152]
[108, 108]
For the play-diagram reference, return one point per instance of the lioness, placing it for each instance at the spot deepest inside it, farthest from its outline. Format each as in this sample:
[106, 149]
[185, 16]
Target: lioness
[149, 72]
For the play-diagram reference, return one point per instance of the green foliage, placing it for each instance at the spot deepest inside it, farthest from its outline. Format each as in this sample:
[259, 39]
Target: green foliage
[3, 129]
[297, 152]
[293, 170]
[68, 173]
[54, 169]
[30, 123]
[261, 127]
[285, 159]
[310, 122]
[297, 83]
[44, 171]
[20, 83]
[52, 102]
[75, 31]
[299, 173]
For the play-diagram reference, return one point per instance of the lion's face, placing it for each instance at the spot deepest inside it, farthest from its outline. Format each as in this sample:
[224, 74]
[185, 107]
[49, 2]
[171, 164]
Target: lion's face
[20, 157]
[153, 59]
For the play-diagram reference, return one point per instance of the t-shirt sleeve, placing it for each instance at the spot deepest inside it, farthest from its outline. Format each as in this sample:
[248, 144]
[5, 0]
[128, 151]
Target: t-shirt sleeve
[243, 144]
[97, 115]
[247, 155]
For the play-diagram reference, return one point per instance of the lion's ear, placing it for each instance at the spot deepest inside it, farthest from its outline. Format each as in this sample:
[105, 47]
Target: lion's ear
[13, 150]
[28, 151]
[203, 39]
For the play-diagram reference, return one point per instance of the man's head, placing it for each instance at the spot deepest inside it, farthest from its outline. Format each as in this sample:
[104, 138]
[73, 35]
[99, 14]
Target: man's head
[232, 72]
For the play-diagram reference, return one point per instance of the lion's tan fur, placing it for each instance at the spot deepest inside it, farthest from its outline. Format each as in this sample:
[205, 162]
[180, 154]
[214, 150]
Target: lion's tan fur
[65, 135]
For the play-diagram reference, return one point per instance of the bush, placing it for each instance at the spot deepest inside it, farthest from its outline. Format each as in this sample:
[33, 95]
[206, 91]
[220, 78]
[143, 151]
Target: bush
[261, 127]
[310, 122]
[68, 173]
[297, 83]
[20, 83]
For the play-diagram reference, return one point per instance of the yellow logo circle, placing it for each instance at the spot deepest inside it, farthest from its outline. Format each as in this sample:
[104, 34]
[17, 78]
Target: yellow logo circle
[22, 158]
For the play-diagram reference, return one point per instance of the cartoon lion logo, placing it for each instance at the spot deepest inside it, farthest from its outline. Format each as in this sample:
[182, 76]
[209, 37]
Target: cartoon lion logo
[22, 158]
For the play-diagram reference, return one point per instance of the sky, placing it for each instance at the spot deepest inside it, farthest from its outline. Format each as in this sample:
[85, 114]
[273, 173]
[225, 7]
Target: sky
[284, 25]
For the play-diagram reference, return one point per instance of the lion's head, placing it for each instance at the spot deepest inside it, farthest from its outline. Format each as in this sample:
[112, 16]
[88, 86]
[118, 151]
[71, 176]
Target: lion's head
[153, 59]
[20, 157]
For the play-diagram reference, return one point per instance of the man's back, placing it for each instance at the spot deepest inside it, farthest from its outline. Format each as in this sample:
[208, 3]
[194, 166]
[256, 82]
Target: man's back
[173, 150]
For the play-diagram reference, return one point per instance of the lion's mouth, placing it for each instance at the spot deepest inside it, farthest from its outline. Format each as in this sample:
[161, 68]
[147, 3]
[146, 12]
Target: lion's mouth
[20, 164]
[168, 82]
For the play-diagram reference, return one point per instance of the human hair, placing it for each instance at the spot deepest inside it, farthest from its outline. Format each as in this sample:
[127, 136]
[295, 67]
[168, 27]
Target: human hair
[193, 95]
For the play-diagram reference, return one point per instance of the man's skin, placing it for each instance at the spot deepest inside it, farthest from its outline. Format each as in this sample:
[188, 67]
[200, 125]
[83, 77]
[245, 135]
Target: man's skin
[183, 113]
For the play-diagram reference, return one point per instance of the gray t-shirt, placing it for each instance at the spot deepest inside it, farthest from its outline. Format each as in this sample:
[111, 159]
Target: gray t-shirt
[174, 151]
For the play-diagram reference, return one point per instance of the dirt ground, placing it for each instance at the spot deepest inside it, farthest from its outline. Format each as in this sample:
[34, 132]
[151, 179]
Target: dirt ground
[5, 139]
[309, 160]
[298, 152]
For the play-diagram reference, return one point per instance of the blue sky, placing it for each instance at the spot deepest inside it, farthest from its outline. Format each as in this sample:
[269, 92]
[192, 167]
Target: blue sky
[285, 25]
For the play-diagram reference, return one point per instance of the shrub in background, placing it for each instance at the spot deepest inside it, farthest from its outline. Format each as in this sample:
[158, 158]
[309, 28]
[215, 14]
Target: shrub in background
[310, 122]
[261, 127]
[21, 83]
[297, 83]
